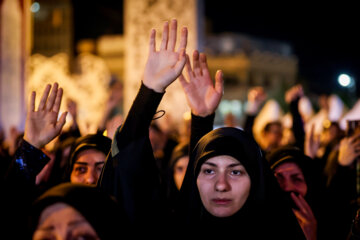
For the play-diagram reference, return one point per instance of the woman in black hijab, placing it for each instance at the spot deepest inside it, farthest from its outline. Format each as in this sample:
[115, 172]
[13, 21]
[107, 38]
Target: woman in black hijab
[84, 211]
[231, 185]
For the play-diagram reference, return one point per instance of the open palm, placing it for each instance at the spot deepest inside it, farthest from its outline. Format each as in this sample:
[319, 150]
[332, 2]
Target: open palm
[202, 96]
[43, 125]
[165, 65]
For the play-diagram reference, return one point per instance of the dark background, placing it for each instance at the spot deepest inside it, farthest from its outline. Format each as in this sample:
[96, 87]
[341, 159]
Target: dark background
[324, 37]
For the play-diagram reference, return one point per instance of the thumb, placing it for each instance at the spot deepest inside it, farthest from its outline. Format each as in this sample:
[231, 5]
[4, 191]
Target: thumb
[219, 82]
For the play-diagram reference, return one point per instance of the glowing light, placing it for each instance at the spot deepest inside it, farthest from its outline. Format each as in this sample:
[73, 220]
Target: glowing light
[344, 80]
[35, 7]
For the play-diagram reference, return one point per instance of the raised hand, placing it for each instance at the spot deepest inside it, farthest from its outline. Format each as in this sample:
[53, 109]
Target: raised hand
[305, 217]
[256, 96]
[349, 149]
[165, 65]
[312, 143]
[294, 93]
[42, 125]
[202, 96]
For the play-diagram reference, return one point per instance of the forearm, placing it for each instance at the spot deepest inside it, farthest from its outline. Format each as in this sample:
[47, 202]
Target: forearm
[298, 125]
[249, 123]
[199, 127]
[27, 163]
[140, 116]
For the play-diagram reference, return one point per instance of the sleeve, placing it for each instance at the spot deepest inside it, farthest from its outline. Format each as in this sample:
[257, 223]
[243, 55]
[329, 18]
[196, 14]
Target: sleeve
[27, 163]
[298, 125]
[130, 173]
[249, 123]
[199, 127]
[19, 188]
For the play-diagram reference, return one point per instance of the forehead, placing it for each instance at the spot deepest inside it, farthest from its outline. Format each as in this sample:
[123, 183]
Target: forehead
[90, 155]
[288, 167]
[182, 160]
[223, 160]
[51, 212]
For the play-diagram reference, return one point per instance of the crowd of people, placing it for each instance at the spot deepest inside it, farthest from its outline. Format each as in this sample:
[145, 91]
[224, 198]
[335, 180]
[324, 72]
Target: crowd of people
[139, 180]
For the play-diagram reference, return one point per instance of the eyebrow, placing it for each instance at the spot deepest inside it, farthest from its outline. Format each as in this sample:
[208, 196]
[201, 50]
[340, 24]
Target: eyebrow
[229, 166]
[71, 224]
[85, 163]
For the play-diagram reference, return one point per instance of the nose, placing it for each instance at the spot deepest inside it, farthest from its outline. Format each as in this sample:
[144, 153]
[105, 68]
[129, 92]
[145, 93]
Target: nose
[91, 177]
[222, 184]
[288, 186]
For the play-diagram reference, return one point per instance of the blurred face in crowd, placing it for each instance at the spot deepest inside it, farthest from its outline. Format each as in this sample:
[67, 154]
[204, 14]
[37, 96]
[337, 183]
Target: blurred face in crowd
[88, 166]
[62, 222]
[291, 178]
[180, 170]
[224, 185]
[273, 135]
[157, 139]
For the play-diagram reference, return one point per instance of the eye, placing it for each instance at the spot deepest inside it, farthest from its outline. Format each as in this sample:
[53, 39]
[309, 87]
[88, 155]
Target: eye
[299, 180]
[237, 172]
[80, 170]
[208, 171]
[85, 237]
[99, 169]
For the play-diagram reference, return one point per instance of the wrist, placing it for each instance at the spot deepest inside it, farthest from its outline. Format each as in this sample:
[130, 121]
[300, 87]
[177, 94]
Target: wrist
[32, 142]
[157, 89]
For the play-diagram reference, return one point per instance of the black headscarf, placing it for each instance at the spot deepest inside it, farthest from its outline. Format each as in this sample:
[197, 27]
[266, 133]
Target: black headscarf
[310, 169]
[99, 209]
[264, 214]
[292, 154]
[91, 141]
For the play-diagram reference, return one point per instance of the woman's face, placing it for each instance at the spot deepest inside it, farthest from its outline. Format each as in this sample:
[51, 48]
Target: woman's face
[62, 222]
[224, 185]
[291, 178]
[87, 167]
[180, 170]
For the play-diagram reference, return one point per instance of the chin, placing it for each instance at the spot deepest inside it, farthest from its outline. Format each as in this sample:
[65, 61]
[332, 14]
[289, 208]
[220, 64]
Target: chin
[222, 213]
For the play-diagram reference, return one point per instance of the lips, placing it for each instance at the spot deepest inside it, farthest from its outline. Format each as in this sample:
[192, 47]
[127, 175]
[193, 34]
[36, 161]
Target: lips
[221, 201]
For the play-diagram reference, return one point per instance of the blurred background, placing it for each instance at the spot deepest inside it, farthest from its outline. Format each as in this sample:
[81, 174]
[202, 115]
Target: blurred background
[90, 46]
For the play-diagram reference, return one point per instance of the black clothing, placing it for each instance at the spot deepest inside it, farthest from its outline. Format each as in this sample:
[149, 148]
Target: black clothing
[265, 213]
[19, 189]
[130, 173]
[91, 141]
[99, 209]
[313, 177]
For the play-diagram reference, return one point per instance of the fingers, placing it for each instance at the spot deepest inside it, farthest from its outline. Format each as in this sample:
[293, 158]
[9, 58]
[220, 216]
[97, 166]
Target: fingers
[196, 64]
[300, 217]
[44, 97]
[152, 43]
[165, 36]
[172, 37]
[304, 207]
[204, 66]
[51, 100]
[60, 124]
[183, 38]
[32, 102]
[183, 81]
[58, 99]
[219, 82]
[179, 66]
[189, 70]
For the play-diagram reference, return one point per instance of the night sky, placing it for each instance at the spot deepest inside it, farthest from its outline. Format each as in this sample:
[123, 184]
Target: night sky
[324, 38]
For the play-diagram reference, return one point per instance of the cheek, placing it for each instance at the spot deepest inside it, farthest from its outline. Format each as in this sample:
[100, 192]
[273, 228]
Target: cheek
[242, 189]
[302, 189]
[74, 178]
[204, 187]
